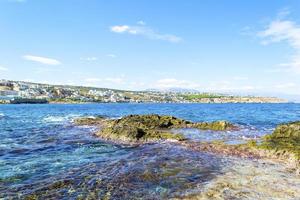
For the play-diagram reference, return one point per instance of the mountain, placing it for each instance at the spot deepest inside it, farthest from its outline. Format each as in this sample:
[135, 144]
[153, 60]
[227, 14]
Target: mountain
[174, 90]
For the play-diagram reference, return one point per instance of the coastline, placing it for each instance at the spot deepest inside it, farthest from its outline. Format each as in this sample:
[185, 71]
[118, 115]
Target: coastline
[269, 147]
[97, 162]
[255, 162]
[90, 102]
[28, 92]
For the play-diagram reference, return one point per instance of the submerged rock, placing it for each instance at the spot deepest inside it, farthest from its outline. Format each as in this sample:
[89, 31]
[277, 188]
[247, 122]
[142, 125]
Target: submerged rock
[144, 128]
[250, 179]
[282, 145]
[215, 126]
[90, 120]
[219, 147]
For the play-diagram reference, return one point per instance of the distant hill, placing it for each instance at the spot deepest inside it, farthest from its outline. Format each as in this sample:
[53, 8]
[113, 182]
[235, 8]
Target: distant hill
[11, 90]
[174, 90]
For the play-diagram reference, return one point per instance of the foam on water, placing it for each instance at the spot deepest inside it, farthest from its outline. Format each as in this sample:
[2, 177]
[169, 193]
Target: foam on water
[59, 118]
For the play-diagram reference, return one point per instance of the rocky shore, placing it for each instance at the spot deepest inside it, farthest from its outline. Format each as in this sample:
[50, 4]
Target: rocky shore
[147, 128]
[282, 145]
[263, 169]
[165, 164]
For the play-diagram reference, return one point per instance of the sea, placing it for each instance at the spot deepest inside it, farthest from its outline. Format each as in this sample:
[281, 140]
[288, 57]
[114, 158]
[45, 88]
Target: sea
[44, 155]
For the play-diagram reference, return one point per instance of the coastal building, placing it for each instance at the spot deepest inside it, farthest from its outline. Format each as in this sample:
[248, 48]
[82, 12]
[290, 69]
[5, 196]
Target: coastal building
[9, 93]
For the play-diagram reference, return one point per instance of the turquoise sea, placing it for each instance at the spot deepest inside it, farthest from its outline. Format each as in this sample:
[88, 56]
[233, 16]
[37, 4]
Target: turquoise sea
[43, 153]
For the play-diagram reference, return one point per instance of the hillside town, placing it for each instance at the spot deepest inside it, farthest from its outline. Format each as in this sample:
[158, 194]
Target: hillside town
[26, 92]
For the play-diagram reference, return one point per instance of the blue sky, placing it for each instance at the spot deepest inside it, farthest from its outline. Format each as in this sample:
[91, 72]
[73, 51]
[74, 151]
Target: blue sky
[248, 47]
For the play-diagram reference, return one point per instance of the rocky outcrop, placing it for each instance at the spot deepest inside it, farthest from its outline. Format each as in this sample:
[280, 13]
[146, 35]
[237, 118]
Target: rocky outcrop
[145, 128]
[90, 121]
[216, 125]
[140, 129]
[284, 142]
[287, 131]
[282, 145]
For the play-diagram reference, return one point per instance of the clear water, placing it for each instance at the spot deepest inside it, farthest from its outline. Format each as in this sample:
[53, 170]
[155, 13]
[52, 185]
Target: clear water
[42, 153]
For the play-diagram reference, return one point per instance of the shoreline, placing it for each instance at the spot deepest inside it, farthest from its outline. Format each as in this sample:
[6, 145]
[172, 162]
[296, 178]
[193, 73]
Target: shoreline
[74, 103]
[250, 149]
[113, 166]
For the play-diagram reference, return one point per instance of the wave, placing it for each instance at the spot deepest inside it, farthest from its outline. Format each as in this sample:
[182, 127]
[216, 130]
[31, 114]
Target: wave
[60, 119]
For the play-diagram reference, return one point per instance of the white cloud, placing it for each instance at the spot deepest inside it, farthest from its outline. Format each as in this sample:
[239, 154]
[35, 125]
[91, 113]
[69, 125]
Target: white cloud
[136, 84]
[89, 59]
[92, 80]
[228, 86]
[232, 88]
[46, 70]
[114, 80]
[120, 29]
[285, 85]
[141, 22]
[175, 83]
[111, 55]
[146, 32]
[28, 80]
[105, 80]
[43, 60]
[281, 30]
[247, 31]
[220, 86]
[240, 78]
[3, 68]
[283, 13]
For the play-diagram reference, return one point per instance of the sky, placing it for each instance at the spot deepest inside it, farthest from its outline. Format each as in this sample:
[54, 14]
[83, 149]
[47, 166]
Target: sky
[246, 47]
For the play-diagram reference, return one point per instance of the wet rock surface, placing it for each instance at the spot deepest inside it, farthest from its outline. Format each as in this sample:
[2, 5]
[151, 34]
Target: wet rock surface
[282, 145]
[286, 137]
[90, 120]
[215, 126]
[145, 128]
[223, 149]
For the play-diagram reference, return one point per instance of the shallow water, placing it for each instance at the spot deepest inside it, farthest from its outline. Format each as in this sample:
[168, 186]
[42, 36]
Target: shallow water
[229, 137]
[152, 171]
[252, 179]
[43, 153]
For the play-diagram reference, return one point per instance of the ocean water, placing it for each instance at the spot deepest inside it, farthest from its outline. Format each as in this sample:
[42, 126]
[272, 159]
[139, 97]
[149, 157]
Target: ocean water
[43, 154]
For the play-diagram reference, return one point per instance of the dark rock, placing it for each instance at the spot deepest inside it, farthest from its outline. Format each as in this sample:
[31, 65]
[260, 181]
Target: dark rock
[285, 138]
[216, 125]
[144, 128]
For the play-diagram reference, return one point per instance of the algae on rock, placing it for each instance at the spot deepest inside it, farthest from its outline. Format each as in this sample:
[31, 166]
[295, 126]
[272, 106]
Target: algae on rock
[215, 126]
[144, 128]
[286, 137]
[282, 145]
